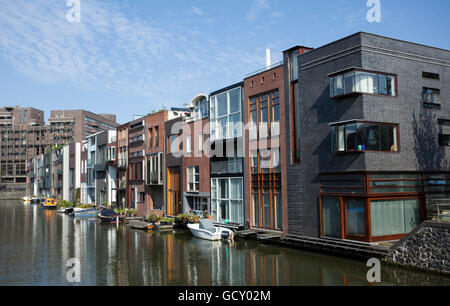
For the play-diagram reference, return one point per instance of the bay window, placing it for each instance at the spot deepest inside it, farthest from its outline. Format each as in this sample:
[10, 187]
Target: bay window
[364, 136]
[357, 81]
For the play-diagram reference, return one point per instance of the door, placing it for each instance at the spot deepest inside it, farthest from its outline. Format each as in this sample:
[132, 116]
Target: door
[173, 194]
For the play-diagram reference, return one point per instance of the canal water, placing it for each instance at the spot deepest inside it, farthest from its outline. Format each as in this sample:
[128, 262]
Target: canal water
[36, 244]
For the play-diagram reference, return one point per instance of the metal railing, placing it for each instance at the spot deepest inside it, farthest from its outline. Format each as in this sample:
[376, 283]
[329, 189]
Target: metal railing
[441, 213]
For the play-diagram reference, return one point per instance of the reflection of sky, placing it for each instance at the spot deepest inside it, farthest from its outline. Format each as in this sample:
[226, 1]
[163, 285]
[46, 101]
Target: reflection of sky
[35, 246]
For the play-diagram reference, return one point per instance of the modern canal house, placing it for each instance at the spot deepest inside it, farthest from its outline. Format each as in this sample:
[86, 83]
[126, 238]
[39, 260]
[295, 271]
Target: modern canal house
[154, 162]
[122, 165]
[136, 160]
[196, 179]
[368, 137]
[227, 155]
[265, 182]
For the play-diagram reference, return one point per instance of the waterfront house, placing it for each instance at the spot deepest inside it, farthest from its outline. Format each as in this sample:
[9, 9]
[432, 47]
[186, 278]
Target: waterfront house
[227, 155]
[265, 154]
[367, 137]
[122, 165]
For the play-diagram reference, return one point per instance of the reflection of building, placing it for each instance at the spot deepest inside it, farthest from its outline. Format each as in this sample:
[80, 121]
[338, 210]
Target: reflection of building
[227, 144]
[363, 151]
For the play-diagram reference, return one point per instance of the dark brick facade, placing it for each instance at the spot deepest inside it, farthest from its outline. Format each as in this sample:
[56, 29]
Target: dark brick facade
[419, 150]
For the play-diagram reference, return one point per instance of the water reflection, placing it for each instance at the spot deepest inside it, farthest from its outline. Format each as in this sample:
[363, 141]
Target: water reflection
[35, 245]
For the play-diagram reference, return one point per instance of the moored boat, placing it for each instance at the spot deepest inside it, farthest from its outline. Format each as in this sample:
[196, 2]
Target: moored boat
[109, 216]
[35, 200]
[49, 204]
[26, 200]
[84, 213]
[206, 230]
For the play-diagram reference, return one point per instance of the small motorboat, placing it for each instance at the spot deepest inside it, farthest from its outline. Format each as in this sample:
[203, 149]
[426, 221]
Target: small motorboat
[49, 204]
[84, 213]
[206, 230]
[35, 200]
[109, 216]
[26, 200]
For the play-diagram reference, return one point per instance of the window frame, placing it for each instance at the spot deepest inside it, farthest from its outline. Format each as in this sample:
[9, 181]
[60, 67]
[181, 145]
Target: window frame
[335, 142]
[345, 72]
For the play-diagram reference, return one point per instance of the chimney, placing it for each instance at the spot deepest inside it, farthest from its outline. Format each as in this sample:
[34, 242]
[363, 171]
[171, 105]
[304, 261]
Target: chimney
[268, 58]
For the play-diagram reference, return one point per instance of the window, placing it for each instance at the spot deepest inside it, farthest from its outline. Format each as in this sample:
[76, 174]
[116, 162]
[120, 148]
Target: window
[431, 97]
[266, 190]
[294, 65]
[188, 144]
[193, 178]
[225, 114]
[174, 144]
[430, 75]
[265, 115]
[201, 142]
[227, 200]
[444, 140]
[150, 139]
[156, 136]
[201, 109]
[362, 82]
[364, 136]
[394, 217]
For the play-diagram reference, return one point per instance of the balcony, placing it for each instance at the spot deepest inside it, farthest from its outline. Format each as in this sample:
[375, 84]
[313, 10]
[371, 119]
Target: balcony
[227, 167]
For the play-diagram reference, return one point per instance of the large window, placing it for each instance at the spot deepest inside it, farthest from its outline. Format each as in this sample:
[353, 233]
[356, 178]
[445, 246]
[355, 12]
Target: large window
[193, 178]
[362, 82]
[154, 169]
[331, 217]
[364, 136]
[227, 200]
[201, 109]
[265, 115]
[225, 114]
[266, 190]
[394, 217]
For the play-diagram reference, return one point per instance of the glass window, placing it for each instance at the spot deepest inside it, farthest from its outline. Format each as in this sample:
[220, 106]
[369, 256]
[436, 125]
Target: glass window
[444, 140]
[222, 105]
[294, 65]
[356, 224]
[364, 137]
[362, 82]
[193, 178]
[188, 144]
[331, 215]
[235, 100]
[173, 143]
[394, 217]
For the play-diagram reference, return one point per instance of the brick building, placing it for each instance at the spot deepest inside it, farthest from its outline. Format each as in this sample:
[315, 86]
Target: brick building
[368, 133]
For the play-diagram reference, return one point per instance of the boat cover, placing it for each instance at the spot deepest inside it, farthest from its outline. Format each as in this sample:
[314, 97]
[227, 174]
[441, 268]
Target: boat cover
[108, 213]
[207, 225]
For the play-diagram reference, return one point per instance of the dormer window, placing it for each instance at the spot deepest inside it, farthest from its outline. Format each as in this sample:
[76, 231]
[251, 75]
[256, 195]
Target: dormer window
[356, 81]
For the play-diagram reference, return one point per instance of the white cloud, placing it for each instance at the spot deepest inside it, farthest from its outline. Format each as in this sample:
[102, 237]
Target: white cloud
[111, 50]
[196, 11]
[257, 7]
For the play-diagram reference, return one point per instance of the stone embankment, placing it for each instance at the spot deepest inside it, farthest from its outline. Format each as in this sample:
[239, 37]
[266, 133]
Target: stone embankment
[426, 248]
[11, 195]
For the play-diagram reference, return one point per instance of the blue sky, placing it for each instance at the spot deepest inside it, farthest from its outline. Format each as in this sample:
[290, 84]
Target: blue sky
[132, 56]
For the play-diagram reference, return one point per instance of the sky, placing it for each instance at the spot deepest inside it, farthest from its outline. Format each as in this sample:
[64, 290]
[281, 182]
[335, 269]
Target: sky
[131, 57]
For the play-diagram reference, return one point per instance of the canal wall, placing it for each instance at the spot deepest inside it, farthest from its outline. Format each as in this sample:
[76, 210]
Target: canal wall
[426, 248]
[11, 195]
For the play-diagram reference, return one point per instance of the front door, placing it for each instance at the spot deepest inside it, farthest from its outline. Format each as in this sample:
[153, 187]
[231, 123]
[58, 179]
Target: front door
[173, 194]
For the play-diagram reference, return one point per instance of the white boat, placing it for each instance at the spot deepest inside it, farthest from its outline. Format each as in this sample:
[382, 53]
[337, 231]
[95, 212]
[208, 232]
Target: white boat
[206, 230]
[84, 213]
[26, 199]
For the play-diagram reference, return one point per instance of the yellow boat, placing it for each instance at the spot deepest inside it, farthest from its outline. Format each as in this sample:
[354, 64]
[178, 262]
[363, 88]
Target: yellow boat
[49, 204]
